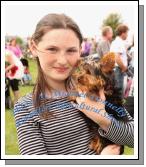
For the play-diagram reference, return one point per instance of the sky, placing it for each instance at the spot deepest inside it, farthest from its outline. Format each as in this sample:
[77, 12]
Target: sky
[21, 19]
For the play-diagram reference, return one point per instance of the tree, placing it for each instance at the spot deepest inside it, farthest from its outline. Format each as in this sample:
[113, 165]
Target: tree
[112, 20]
[19, 41]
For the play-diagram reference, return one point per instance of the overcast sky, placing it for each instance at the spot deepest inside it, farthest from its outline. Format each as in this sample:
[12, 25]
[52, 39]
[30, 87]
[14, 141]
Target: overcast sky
[21, 19]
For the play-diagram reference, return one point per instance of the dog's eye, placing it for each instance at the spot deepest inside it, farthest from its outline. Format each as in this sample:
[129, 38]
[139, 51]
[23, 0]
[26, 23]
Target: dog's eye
[80, 79]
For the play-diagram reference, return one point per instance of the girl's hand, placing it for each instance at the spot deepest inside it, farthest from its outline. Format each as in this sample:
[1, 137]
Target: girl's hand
[113, 149]
[87, 101]
[97, 117]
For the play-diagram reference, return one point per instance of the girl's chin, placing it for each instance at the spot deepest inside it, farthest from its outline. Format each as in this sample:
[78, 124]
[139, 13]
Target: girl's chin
[59, 77]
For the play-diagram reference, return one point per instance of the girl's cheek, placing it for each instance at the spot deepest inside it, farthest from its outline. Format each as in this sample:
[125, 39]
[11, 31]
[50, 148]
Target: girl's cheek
[74, 61]
[44, 65]
[73, 64]
[45, 62]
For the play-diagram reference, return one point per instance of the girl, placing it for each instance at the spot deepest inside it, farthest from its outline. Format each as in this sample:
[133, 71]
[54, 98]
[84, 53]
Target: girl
[51, 125]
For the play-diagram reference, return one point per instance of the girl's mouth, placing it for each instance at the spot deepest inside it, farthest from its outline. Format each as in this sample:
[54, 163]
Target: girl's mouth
[61, 69]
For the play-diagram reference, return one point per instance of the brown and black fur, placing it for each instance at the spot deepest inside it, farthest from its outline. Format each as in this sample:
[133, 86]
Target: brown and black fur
[90, 77]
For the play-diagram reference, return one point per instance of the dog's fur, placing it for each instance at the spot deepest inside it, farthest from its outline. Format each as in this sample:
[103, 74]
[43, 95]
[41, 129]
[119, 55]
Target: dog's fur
[90, 78]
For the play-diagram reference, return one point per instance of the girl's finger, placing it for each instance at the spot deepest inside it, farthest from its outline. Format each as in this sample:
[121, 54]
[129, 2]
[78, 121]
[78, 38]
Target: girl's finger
[101, 94]
[80, 100]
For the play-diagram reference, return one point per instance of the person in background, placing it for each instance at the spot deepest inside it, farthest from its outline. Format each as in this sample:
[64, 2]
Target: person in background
[86, 47]
[28, 52]
[104, 44]
[26, 79]
[14, 72]
[93, 46]
[129, 93]
[8, 101]
[118, 46]
[14, 47]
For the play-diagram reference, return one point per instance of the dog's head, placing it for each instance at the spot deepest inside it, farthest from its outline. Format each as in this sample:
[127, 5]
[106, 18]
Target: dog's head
[84, 77]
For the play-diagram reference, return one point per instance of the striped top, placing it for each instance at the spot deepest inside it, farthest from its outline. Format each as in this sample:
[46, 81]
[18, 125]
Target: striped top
[65, 133]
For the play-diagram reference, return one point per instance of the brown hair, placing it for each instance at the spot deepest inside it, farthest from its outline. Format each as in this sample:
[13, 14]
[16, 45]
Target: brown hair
[121, 29]
[105, 30]
[49, 22]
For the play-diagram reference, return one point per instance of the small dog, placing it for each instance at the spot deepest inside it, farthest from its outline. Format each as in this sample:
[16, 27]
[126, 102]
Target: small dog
[90, 78]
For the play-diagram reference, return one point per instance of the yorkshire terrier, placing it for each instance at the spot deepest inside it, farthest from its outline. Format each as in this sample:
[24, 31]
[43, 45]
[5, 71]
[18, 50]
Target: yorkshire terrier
[90, 78]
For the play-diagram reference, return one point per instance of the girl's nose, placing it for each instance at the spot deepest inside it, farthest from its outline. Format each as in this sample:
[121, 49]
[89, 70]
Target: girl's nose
[61, 59]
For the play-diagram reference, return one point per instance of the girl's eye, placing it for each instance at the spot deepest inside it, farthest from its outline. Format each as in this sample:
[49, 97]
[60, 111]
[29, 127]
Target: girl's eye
[52, 50]
[71, 51]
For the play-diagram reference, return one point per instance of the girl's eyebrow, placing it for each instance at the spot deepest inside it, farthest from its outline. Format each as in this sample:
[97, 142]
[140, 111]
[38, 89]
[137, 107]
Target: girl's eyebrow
[53, 46]
[73, 47]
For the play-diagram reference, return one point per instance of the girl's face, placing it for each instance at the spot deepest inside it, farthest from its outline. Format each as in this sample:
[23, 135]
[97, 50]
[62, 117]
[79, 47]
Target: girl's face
[58, 52]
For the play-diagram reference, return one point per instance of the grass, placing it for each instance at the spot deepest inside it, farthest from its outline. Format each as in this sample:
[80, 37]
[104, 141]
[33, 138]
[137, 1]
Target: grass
[11, 146]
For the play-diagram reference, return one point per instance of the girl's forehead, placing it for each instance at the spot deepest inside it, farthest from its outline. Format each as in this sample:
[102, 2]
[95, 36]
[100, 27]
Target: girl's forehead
[60, 37]
[59, 33]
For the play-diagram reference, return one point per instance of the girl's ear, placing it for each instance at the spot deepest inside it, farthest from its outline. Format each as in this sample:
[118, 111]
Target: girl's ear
[32, 47]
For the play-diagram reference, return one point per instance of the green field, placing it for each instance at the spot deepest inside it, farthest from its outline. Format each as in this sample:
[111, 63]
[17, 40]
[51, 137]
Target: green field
[11, 147]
